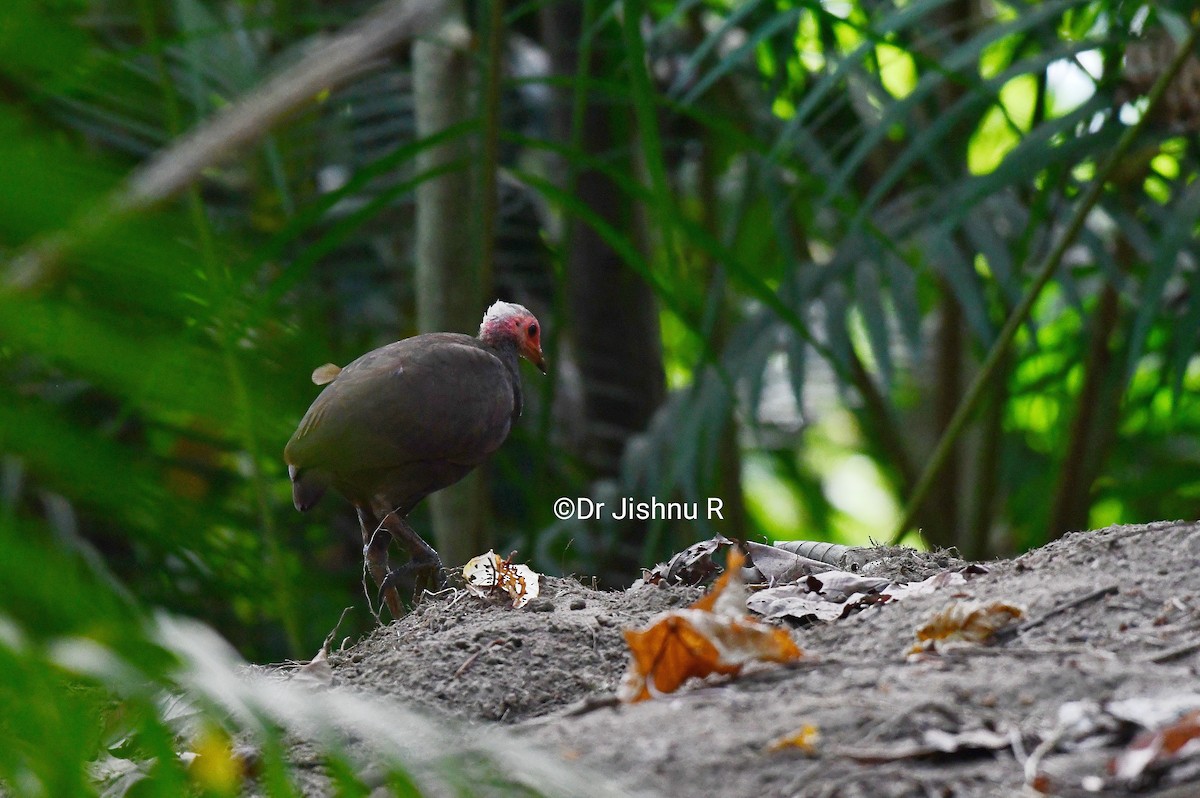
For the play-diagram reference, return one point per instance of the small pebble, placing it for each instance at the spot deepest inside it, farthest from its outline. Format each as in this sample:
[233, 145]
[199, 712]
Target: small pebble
[578, 604]
[540, 605]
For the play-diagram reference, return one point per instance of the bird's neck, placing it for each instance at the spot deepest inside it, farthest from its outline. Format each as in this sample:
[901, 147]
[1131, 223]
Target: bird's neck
[506, 350]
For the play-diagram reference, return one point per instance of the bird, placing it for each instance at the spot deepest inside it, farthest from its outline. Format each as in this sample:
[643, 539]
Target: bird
[406, 420]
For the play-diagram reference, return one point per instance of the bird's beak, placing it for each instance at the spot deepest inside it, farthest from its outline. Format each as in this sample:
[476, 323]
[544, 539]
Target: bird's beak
[536, 359]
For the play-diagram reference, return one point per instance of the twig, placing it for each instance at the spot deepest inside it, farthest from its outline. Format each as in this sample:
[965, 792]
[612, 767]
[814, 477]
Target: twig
[458, 595]
[576, 709]
[430, 595]
[332, 632]
[1043, 274]
[1026, 652]
[1109, 590]
[469, 661]
[1173, 653]
[1032, 766]
[366, 572]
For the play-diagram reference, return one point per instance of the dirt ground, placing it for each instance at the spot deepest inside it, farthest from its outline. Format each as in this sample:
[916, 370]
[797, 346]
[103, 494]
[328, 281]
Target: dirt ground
[1109, 646]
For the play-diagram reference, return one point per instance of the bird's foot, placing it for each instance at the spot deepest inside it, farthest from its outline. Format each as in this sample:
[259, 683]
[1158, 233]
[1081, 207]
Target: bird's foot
[414, 577]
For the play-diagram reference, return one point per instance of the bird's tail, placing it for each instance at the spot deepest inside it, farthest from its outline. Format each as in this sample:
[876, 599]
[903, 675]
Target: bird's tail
[308, 486]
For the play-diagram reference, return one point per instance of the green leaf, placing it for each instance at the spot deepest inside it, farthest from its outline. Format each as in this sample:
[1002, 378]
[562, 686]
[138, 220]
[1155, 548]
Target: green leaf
[1176, 235]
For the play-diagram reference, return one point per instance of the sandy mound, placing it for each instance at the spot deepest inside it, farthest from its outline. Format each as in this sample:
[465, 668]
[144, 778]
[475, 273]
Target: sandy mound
[1111, 615]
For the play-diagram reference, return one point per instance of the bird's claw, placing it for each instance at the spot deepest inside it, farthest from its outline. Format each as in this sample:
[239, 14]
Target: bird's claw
[413, 577]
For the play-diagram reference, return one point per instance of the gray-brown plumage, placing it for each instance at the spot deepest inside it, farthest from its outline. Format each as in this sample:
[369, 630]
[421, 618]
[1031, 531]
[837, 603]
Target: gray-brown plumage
[407, 419]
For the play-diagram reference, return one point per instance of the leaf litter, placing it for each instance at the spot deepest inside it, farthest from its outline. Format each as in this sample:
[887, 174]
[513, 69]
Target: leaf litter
[1088, 693]
[715, 635]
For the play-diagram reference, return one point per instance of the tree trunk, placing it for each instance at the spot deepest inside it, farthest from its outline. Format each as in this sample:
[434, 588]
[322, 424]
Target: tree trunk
[449, 277]
[613, 311]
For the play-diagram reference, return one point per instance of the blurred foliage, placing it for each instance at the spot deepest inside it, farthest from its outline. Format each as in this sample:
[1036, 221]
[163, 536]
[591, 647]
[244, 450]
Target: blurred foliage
[842, 203]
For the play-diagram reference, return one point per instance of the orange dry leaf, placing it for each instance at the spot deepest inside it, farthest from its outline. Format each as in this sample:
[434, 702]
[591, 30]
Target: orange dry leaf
[968, 622]
[714, 635]
[668, 653]
[805, 739]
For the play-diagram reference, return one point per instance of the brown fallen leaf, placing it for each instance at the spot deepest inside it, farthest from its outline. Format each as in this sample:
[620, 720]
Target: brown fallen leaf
[841, 585]
[826, 596]
[1158, 749]
[925, 587]
[831, 595]
[797, 604]
[713, 635]
[965, 623]
[778, 566]
[1156, 735]
[317, 671]
[692, 566]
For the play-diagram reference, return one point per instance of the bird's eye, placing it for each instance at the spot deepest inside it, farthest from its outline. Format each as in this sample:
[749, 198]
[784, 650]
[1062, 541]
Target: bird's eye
[532, 330]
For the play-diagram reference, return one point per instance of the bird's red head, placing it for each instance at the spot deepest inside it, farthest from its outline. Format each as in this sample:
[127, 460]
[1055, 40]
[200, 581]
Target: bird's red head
[507, 323]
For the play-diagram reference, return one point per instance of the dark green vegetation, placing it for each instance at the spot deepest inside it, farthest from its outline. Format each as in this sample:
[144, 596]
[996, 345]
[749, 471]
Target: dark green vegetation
[722, 215]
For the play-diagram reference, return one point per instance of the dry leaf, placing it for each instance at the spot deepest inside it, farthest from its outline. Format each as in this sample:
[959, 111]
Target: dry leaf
[666, 654]
[805, 739]
[316, 671]
[796, 604]
[778, 566]
[691, 566]
[826, 596]
[489, 573]
[714, 635]
[1159, 748]
[832, 594]
[936, 582]
[1156, 710]
[966, 623]
[842, 585]
[1166, 749]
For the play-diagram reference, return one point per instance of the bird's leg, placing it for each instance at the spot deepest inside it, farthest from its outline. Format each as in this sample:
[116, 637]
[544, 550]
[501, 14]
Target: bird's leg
[424, 567]
[375, 551]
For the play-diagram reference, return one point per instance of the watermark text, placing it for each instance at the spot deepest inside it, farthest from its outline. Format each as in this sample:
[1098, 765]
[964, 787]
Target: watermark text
[584, 509]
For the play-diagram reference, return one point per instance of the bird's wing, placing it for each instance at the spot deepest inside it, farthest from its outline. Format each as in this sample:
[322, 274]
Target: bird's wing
[431, 398]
